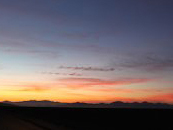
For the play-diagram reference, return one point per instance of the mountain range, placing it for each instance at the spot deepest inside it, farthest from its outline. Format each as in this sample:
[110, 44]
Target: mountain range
[116, 104]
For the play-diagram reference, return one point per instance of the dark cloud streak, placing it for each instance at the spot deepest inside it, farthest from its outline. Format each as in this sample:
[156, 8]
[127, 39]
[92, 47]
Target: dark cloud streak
[64, 74]
[147, 63]
[87, 68]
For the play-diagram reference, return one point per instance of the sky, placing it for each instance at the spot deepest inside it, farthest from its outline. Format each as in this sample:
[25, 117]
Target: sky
[86, 50]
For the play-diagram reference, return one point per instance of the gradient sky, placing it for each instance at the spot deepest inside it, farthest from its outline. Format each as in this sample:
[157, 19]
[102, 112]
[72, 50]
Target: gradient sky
[86, 50]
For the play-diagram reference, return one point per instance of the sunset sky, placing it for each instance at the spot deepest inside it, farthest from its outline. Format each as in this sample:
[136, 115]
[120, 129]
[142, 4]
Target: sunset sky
[86, 50]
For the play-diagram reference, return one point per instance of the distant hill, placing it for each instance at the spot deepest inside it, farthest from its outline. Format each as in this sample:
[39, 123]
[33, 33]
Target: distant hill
[33, 103]
[117, 104]
[3, 104]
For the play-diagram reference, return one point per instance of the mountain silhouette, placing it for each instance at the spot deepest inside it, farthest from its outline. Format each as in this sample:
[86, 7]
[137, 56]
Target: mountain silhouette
[7, 104]
[116, 104]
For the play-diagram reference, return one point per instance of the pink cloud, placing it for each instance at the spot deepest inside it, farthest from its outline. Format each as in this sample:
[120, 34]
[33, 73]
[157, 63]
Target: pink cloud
[88, 82]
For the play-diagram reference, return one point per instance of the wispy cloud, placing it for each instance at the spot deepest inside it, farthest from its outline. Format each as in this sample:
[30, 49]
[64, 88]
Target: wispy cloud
[87, 68]
[147, 63]
[35, 89]
[65, 74]
[30, 88]
[90, 82]
[123, 90]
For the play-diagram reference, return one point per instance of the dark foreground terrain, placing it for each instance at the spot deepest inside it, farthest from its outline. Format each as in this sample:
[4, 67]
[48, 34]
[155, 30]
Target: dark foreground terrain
[28, 118]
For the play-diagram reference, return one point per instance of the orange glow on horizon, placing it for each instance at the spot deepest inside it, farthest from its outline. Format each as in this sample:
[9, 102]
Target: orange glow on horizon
[82, 90]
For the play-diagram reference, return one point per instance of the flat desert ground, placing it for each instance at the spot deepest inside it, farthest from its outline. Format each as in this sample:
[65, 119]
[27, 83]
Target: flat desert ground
[42, 118]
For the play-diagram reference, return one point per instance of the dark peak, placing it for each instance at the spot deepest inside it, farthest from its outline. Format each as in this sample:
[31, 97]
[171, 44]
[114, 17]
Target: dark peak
[145, 102]
[6, 102]
[117, 102]
[79, 103]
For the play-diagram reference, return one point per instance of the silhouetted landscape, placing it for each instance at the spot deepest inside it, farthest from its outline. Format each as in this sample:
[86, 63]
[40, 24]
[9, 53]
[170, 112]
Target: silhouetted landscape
[56, 118]
[116, 104]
